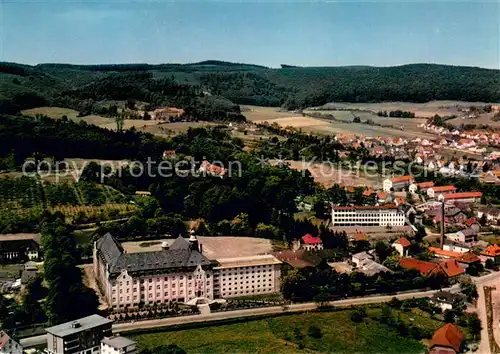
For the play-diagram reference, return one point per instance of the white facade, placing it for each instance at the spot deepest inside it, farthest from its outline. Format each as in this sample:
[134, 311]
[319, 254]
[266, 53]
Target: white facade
[367, 216]
[456, 247]
[397, 183]
[161, 288]
[244, 276]
[118, 345]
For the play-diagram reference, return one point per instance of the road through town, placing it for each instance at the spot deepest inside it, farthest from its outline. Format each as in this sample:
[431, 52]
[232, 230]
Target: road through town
[249, 313]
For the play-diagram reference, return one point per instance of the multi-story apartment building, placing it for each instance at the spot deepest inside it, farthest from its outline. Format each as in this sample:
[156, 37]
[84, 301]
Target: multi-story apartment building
[243, 276]
[387, 215]
[179, 273]
[82, 336]
[118, 345]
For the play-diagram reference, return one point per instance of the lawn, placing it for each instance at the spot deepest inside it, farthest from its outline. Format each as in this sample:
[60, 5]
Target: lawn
[284, 334]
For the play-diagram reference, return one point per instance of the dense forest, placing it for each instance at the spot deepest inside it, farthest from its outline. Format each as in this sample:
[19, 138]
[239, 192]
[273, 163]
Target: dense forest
[184, 85]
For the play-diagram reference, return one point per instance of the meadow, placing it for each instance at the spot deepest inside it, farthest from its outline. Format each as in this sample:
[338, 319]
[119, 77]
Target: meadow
[291, 334]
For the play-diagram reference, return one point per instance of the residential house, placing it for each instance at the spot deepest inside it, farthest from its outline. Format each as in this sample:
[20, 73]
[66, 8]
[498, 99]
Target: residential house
[473, 224]
[19, 247]
[433, 192]
[471, 197]
[456, 246]
[467, 235]
[298, 258]
[445, 300]
[448, 268]
[491, 252]
[439, 253]
[118, 345]
[310, 243]
[212, 169]
[402, 245]
[424, 186]
[366, 264]
[9, 345]
[397, 183]
[465, 260]
[491, 214]
[446, 340]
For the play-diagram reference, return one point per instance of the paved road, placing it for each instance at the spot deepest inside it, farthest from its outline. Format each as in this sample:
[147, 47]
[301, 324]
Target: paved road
[171, 321]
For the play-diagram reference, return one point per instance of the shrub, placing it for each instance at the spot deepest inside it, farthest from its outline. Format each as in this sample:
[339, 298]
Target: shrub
[314, 332]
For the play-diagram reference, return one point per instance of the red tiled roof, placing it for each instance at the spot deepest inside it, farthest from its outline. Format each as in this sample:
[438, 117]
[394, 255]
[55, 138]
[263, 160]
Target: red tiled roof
[360, 236]
[440, 252]
[451, 268]
[463, 195]
[444, 188]
[492, 251]
[448, 336]
[309, 239]
[471, 221]
[403, 241]
[428, 184]
[468, 257]
[425, 268]
[402, 179]
[367, 192]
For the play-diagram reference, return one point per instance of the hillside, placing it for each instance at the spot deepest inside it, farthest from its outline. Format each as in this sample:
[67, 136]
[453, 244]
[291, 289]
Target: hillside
[182, 85]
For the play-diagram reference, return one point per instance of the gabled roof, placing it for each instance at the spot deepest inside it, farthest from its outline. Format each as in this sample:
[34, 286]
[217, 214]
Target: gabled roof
[445, 253]
[468, 257]
[427, 184]
[463, 195]
[443, 188]
[403, 241]
[180, 243]
[492, 251]
[399, 179]
[448, 336]
[309, 239]
[110, 248]
[471, 221]
[451, 268]
[425, 268]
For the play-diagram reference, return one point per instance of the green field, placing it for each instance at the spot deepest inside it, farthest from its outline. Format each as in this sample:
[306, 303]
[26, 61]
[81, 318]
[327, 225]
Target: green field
[279, 335]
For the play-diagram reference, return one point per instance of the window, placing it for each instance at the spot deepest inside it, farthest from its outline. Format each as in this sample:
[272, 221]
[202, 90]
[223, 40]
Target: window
[158, 287]
[150, 280]
[166, 279]
[173, 285]
[150, 288]
[157, 294]
[181, 277]
[150, 296]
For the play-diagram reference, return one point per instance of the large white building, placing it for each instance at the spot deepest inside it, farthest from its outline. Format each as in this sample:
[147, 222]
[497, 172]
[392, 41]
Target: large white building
[387, 215]
[244, 276]
[178, 273]
[8, 345]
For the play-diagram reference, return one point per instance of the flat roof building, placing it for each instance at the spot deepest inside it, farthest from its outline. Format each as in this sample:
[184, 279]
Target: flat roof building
[118, 345]
[82, 336]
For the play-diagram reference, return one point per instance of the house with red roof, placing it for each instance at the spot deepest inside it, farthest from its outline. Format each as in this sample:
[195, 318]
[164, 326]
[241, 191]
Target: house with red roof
[491, 252]
[310, 243]
[446, 340]
[8, 345]
[473, 224]
[469, 197]
[448, 268]
[402, 245]
[433, 192]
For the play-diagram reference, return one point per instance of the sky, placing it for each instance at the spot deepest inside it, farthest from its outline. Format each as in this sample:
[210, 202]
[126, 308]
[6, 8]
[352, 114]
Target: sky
[379, 33]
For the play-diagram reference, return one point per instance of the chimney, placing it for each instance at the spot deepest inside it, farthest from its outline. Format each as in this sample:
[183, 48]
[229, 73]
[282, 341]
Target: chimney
[441, 241]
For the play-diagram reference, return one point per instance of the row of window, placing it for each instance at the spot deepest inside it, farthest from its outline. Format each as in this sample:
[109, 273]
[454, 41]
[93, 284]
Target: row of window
[150, 280]
[158, 287]
[150, 296]
[241, 292]
[246, 287]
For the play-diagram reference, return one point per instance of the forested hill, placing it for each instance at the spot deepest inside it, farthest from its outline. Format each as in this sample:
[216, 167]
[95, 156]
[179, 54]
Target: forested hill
[24, 86]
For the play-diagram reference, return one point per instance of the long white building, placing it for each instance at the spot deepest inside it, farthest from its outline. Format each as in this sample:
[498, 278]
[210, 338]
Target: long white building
[387, 215]
[243, 276]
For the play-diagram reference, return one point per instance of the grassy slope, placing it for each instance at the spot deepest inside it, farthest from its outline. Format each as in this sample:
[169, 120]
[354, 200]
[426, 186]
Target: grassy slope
[275, 335]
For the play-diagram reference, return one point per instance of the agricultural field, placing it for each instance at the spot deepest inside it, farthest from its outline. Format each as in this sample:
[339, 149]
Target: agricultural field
[257, 113]
[330, 127]
[103, 122]
[328, 175]
[485, 119]
[82, 200]
[290, 334]
[171, 129]
[423, 110]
